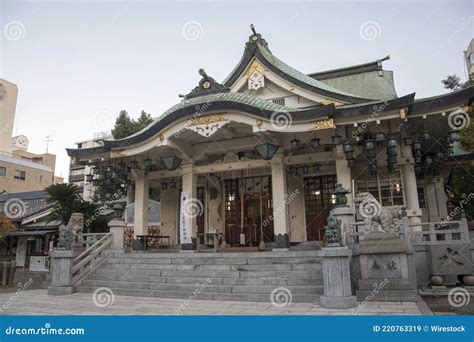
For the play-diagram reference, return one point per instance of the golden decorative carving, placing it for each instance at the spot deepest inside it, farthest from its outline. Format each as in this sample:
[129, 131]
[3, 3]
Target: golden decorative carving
[206, 119]
[323, 124]
[259, 123]
[162, 137]
[255, 66]
[467, 109]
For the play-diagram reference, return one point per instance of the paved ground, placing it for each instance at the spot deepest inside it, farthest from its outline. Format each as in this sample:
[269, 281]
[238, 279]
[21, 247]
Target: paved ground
[37, 302]
[441, 306]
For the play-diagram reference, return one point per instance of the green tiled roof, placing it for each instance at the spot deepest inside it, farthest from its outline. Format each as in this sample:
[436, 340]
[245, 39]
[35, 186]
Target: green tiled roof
[232, 97]
[299, 75]
[368, 85]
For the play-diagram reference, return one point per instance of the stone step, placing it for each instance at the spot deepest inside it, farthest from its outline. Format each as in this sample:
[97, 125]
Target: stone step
[215, 281]
[212, 274]
[253, 256]
[240, 268]
[248, 297]
[203, 287]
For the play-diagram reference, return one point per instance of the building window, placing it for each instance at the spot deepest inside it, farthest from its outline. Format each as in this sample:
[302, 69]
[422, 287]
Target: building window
[40, 179]
[386, 187]
[421, 197]
[280, 101]
[19, 174]
[3, 171]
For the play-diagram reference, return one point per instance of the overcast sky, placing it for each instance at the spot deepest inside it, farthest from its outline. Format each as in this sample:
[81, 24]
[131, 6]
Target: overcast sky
[78, 63]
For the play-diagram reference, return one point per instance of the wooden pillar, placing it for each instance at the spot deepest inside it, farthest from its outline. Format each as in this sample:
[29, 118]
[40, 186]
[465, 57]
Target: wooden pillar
[280, 207]
[410, 188]
[140, 223]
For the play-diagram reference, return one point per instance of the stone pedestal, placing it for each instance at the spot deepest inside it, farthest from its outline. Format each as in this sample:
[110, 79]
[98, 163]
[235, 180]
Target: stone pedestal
[387, 271]
[337, 278]
[61, 273]
[346, 215]
[117, 228]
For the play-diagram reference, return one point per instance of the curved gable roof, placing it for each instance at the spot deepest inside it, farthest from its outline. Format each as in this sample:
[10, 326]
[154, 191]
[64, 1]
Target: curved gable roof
[258, 48]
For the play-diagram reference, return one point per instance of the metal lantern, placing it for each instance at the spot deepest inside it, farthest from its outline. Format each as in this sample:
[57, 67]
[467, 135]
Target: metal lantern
[134, 164]
[440, 155]
[267, 150]
[428, 161]
[453, 136]
[379, 138]
[417, 146]
[295, 144]
[164, 185]
[147, 163]
[369, 145]
[392, 142]
[426, 135]
[171, 162]
[347, 147]
[350, 162]
[118, 210]
[336, 139]
[408, 141]
[451, 150]
[392, 159]
[315, 143]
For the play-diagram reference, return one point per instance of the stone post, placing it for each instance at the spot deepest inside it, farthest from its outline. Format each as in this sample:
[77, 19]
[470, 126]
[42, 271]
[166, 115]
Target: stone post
[117, 228]
[190, 208]
[61, 272]
[410, 188]
[337, 278]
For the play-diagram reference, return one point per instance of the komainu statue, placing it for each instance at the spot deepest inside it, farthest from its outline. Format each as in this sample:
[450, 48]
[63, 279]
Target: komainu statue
[378, 218]
[67, 234]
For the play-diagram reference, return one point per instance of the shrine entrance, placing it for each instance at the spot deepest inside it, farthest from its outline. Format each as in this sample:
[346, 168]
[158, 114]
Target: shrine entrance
[248, 210]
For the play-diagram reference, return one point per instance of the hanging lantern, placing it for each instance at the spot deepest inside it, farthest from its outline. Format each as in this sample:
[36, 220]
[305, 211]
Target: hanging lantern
[408, 141]
[426, 135]
[315, 143]
[369, 145]
[164, 185]
[171, 162]
[336, 140]
[350, 162]
[417, 146]
[295, 144]
[453, 136]
[428, 161]
[267, 150]
[392, 142]
[451, 150]
[147, 163]
[134, 164]
[379, 138]
[440, 155]
[347, 147]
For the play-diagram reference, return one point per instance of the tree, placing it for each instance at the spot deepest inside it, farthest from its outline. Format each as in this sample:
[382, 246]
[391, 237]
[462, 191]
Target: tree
[453, 82]
[5, 226]
[66, 201]
[126, 126]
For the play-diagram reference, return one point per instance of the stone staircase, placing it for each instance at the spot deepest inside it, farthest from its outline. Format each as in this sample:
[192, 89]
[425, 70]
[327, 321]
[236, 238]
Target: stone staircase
[210, 276]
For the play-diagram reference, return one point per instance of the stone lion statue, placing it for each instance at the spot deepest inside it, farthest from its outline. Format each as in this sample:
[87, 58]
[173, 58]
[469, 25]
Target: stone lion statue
[386, 219]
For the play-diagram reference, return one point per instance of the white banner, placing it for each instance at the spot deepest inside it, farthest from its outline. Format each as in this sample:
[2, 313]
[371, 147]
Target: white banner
[184, 228]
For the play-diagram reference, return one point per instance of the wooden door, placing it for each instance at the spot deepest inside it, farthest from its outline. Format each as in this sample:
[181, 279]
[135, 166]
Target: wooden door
[318, 203]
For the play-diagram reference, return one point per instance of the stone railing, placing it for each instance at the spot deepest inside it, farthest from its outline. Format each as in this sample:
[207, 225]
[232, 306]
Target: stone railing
[439, 233]
[92, 257]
